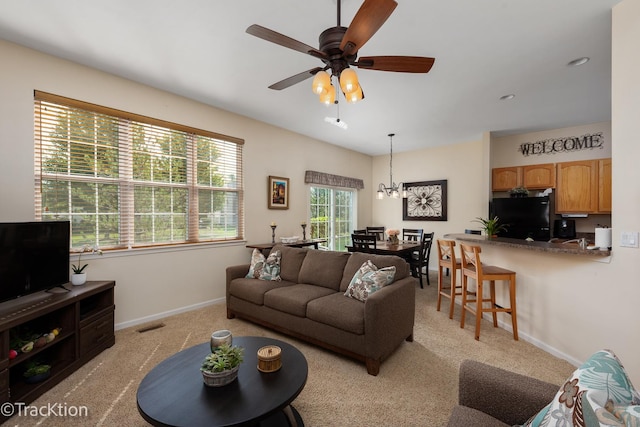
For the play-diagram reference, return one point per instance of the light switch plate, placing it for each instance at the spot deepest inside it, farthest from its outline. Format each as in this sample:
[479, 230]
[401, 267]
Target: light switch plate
[629, 239]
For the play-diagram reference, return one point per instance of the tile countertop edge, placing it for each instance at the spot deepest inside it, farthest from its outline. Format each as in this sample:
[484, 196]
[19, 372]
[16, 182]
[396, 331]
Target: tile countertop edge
[554, 248]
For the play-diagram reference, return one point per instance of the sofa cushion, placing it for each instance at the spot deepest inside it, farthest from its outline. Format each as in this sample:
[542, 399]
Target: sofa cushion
[598, 393]
[369, 279]
[253, 290]
[294, 299]
[358, 258]
[290, 261]
[323, 268]
[337, 311]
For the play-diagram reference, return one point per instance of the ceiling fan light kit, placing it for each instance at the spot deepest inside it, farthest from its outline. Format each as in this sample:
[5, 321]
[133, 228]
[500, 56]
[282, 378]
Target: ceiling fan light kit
[338, 50]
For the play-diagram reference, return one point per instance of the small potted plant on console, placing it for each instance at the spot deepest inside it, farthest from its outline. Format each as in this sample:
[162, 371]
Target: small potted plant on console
[79, 277]
[221, 366]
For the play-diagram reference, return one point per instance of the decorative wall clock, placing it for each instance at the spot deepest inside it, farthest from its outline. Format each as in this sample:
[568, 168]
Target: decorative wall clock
[426, 201]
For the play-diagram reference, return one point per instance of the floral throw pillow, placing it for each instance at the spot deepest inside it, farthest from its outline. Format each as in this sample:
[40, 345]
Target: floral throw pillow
[271, 267]
[369, 279]
[598, 393]
[257, 263]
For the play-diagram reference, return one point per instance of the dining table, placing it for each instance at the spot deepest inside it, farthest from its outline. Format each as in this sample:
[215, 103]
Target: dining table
[403, 249]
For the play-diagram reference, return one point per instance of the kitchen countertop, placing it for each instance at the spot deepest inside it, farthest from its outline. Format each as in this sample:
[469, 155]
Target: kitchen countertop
[554, 248]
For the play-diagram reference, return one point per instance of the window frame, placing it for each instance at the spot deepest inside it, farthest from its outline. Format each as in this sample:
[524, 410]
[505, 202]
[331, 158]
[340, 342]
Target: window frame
[230, 159]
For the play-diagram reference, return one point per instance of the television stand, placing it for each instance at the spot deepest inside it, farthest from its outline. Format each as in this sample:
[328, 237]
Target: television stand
[85, 316]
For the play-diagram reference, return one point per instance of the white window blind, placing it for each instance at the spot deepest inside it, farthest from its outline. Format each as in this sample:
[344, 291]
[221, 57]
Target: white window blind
[125, 180]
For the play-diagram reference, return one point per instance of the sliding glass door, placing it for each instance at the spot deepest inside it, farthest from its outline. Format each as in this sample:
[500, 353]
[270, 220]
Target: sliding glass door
[332, 215]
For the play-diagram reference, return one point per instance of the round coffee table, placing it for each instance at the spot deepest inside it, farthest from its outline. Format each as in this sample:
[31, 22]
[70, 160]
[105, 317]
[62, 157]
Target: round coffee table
[174, 394]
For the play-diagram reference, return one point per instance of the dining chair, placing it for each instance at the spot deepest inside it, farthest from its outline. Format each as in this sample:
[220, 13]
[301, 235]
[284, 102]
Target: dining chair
[412, 234]
[420, 264]
[447, 260]
[377, 231]
[363, 231]
[473, 268]
[363, 242]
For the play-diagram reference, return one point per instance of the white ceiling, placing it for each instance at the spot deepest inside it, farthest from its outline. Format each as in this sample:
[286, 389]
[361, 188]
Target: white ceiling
[483, 48]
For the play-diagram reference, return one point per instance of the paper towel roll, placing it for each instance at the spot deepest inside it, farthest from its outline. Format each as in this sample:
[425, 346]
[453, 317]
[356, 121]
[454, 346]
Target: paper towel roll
[603, 237]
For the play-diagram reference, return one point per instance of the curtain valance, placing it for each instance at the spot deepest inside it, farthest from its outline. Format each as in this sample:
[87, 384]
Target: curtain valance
[314, 177]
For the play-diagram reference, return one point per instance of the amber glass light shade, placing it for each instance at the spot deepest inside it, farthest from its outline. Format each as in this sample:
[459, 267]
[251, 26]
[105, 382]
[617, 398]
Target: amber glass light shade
[348, 80]
[321, 83]
[355, 96]
[328, 97]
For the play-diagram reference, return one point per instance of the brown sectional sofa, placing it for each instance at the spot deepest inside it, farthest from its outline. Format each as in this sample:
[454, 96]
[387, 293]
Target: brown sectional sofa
[309, 303]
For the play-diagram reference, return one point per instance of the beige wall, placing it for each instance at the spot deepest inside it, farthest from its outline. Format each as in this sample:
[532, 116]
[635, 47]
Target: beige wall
[621, 287]
[461, 165]
[150, 283]
[504, 150]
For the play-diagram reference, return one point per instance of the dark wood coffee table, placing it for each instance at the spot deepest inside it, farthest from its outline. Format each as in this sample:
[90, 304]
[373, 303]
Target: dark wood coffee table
[173, 393]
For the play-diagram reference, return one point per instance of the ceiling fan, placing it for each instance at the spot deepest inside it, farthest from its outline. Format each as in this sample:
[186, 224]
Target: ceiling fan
[338, 50]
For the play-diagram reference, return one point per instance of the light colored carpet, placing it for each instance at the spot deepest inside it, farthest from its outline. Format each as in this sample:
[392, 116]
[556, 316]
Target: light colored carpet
[417, 385]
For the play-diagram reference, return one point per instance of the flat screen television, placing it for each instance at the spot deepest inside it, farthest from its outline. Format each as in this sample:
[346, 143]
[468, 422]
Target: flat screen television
[34, 256]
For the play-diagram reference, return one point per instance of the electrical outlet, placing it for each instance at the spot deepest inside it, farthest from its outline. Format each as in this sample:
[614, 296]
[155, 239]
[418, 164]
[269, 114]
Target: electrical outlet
[629, 239]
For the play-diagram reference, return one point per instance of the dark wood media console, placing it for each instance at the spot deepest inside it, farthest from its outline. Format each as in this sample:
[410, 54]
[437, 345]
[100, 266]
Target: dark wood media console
[85, 314]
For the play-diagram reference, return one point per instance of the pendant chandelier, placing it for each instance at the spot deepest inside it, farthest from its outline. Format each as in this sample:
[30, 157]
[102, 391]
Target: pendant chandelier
[393, 190]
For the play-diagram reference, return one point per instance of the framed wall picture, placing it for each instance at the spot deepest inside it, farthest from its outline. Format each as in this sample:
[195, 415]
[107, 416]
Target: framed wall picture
[426, 201]
[278, 192]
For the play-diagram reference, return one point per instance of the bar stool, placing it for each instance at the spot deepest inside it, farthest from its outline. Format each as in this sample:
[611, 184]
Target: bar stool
[447, 260]
[474, 269]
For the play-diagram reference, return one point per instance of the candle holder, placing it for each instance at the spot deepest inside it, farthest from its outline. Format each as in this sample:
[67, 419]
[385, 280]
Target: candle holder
[273, 233]
[304, 231]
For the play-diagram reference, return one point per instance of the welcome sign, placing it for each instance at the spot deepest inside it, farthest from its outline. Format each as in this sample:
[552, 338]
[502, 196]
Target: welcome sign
[562, 145]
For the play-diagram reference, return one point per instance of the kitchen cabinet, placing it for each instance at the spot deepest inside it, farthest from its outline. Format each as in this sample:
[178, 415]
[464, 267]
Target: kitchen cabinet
[583, 186]
[539, 177]
[504, 179]
[532, 177]
[604, 185]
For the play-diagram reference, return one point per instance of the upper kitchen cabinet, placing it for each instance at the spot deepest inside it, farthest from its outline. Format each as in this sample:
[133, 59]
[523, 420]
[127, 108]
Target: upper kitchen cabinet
[532, 177]
[539, 177]
[583, 186]
[604, 185]
[504, 179]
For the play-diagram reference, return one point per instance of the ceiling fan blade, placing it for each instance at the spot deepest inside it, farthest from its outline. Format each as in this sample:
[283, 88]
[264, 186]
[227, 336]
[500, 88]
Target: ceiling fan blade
[369, 18]
[277, 38]
[290, 81]
[402, 64]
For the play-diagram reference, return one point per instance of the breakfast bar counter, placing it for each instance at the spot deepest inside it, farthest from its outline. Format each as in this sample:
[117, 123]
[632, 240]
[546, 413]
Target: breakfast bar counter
[547, 247]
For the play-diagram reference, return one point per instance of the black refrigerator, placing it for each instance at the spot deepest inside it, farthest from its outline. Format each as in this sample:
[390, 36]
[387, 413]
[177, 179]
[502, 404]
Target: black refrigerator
[525, 216]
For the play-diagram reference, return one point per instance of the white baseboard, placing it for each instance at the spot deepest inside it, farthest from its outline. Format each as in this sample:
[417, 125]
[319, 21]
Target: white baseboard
[164, 314]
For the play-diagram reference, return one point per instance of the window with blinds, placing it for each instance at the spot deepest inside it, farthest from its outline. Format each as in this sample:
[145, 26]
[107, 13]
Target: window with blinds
[125, 180]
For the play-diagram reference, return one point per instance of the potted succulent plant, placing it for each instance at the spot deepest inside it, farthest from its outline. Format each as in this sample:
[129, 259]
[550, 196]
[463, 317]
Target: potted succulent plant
[221, 366]
[491, 226]
[79, 277]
